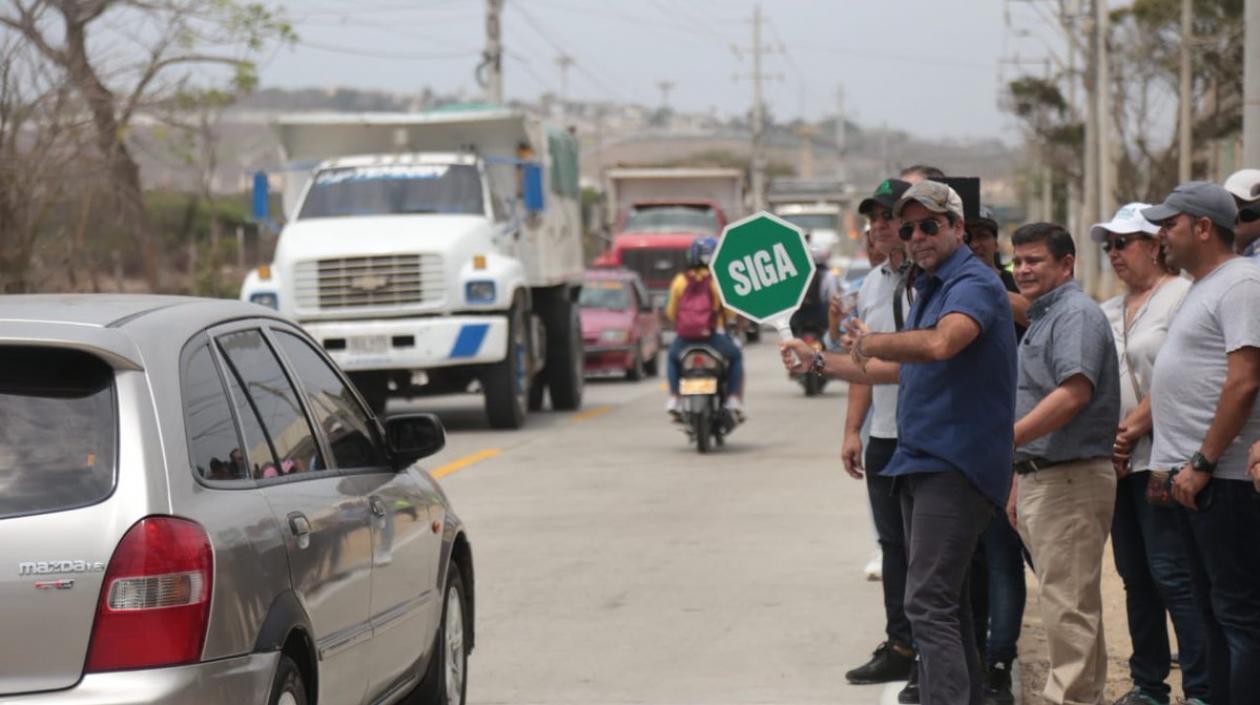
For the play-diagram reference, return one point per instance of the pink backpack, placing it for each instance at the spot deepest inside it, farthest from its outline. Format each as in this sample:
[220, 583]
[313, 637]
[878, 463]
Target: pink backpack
[695, 308]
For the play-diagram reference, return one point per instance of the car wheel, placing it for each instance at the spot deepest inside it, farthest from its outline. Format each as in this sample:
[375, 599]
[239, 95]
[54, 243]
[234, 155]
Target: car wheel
[445, 681]
[288, 687]
[636, 372]
[652, 365]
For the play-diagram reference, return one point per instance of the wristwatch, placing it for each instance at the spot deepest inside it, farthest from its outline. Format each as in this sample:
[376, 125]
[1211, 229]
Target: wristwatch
[1200, 463]
[818, 363]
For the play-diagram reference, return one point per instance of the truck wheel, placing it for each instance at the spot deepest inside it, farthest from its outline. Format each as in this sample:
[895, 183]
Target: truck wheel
[565, 379]
[374, 386]
[537, 388]
[506, 382]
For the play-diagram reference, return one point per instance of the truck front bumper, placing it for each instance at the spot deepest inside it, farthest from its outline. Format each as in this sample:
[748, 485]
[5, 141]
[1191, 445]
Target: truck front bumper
[413, 343]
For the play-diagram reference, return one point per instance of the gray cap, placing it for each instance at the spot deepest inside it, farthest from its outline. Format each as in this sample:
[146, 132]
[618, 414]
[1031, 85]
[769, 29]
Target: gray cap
[934, 196]
[1200, 199]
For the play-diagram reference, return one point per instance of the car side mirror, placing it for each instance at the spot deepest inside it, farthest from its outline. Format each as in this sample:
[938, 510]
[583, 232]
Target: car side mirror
[414, 436]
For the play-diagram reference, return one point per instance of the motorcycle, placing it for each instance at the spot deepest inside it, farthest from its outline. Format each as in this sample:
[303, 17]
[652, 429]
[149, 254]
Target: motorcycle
[702, 387]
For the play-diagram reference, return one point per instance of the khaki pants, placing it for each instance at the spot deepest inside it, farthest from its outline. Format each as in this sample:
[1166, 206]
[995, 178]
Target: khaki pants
[1064, 518]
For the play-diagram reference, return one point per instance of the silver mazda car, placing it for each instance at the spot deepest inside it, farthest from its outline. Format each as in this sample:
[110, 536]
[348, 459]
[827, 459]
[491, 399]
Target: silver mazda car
[197, 507]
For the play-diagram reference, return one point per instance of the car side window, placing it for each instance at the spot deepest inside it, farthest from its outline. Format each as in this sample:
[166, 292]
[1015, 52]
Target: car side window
[641, 294]
[347, 426]
[258, 451]
[213, 444]
[268, 391]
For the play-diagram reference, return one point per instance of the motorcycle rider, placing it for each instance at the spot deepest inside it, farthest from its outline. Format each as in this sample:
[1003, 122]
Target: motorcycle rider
[688, 282]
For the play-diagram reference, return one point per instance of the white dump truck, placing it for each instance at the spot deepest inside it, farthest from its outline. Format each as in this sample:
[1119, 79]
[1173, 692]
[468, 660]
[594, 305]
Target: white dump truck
[434, 253]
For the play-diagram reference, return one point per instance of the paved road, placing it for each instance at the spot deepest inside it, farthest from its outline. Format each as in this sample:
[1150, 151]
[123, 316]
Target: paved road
[617, 565]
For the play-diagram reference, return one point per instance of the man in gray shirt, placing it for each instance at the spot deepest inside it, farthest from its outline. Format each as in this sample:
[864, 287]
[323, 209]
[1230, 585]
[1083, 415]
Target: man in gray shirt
[1067, 403]
[1203, 393]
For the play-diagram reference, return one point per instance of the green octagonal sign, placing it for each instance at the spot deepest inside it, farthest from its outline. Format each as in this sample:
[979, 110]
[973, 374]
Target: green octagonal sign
[763, 269]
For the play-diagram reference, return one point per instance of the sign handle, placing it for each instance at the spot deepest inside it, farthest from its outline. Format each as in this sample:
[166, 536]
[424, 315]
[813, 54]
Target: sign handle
[783, 325]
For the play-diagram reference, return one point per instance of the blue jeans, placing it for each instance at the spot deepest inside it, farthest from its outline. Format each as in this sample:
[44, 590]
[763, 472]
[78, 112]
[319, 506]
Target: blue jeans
[1224, 559]
[891, 530]
[1004, 556]
[1151, 558]
[720, 342]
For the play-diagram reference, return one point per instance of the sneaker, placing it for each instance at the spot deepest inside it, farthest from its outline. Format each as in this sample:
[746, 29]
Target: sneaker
[886, 665]
[909, 695]
[673, 407]
[1137, 697]
[997, 684]
[736, 406]
[875, 567]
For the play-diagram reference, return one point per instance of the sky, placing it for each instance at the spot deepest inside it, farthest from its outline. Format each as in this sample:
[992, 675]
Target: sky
[932, 68]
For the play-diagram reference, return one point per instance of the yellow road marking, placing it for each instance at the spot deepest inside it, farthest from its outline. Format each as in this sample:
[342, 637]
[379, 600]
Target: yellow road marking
[592, 413]
[464, 462]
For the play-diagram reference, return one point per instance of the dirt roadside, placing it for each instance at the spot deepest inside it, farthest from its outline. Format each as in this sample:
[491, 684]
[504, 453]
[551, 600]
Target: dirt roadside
[1032, 643]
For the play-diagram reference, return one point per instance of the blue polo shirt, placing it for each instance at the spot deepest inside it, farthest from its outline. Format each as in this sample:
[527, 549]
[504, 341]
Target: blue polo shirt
[959, 414]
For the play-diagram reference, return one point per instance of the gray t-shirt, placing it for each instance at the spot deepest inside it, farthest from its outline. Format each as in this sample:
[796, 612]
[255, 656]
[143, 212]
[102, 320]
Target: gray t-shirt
[1069, 335]
[1220, 315]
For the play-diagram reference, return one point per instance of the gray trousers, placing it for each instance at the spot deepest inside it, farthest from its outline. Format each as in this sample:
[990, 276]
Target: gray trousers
[944, 516]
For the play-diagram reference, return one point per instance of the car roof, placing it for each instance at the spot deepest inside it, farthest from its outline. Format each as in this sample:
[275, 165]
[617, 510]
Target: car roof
[122, 328]
[618, 274]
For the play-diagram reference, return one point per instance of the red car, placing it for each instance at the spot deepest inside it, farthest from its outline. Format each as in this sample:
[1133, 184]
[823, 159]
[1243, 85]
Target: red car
[621, 328]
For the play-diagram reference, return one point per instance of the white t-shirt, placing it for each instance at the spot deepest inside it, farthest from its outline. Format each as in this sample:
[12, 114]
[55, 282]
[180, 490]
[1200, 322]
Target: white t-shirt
[1146, 335]
[875, 307]
[1221, 314]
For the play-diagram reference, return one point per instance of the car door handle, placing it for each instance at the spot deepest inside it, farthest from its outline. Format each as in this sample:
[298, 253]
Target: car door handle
[377, 507]
[301, 528]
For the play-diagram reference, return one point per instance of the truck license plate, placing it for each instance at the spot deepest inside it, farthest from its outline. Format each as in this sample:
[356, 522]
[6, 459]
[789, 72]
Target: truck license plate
[703, 385]
[368, 344]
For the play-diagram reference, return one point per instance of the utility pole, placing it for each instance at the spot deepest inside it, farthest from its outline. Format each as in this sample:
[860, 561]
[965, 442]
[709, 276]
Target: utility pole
[758, 159]
[490, 71]
[1251, 85]
[564, 61]
[1089, 214]
[1106, 146]
[1185, 145]
[666, 87]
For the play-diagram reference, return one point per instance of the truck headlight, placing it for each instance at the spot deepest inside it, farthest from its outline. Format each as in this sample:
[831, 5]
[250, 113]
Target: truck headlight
[265, 298]
[480, 292]
[614, 336]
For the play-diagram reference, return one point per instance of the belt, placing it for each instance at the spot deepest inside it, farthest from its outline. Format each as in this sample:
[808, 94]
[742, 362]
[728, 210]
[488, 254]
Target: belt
[1032, 465]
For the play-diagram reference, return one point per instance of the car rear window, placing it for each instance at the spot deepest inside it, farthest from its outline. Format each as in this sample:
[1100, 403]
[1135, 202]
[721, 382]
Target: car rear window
[59, 433]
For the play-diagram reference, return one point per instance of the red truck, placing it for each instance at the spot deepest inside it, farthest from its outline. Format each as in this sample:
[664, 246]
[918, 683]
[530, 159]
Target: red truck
[660, 212]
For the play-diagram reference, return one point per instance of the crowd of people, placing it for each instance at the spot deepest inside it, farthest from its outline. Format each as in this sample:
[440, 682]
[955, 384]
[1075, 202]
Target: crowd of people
[1014, 420]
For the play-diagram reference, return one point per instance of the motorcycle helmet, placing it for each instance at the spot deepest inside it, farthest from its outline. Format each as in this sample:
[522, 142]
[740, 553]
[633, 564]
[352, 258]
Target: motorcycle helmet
[701, 251]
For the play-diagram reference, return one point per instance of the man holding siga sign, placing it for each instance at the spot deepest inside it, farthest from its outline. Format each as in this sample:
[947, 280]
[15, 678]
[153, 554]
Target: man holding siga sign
[956, 366]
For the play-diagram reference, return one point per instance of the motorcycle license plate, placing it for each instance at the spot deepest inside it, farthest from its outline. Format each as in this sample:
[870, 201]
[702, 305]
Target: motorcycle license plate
[703, 385]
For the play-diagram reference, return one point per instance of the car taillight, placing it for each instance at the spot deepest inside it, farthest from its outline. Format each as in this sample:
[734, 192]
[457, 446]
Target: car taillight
[155, 601]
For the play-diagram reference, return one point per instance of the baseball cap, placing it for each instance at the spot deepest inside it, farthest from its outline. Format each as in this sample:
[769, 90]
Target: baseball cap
[1201, 199]
[886, 195]
[1127, 220]
[986, 218]
[1244, 184]
[934, 196]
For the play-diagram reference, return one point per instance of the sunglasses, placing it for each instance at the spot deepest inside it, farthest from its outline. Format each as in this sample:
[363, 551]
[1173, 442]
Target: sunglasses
[1120, 242]
[1249, 215]
[929, 226]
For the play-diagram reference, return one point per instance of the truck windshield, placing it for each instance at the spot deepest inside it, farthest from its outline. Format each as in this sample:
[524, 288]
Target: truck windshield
[699, 219]
[394, 189]
[812, 221]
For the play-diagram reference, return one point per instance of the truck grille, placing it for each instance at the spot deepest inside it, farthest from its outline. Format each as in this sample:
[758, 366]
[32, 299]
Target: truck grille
[383, 280]
[657, 266]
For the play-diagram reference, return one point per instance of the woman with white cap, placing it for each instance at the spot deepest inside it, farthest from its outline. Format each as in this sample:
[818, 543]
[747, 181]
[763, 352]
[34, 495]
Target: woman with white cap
[1146, 540]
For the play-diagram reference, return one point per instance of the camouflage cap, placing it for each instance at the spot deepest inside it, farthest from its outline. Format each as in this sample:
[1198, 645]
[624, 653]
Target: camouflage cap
[934, 196]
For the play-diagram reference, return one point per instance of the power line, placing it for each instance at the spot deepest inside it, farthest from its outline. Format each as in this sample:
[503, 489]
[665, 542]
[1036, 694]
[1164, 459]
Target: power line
[402, 56]
[579, 65]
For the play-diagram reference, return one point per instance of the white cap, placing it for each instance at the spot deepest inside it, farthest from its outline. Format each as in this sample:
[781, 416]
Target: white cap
[1243, 184]
[1127, 220]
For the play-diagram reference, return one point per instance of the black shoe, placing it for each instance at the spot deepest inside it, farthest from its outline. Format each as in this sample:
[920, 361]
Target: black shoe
[997, 684]
[885, 666]
[909, 695]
